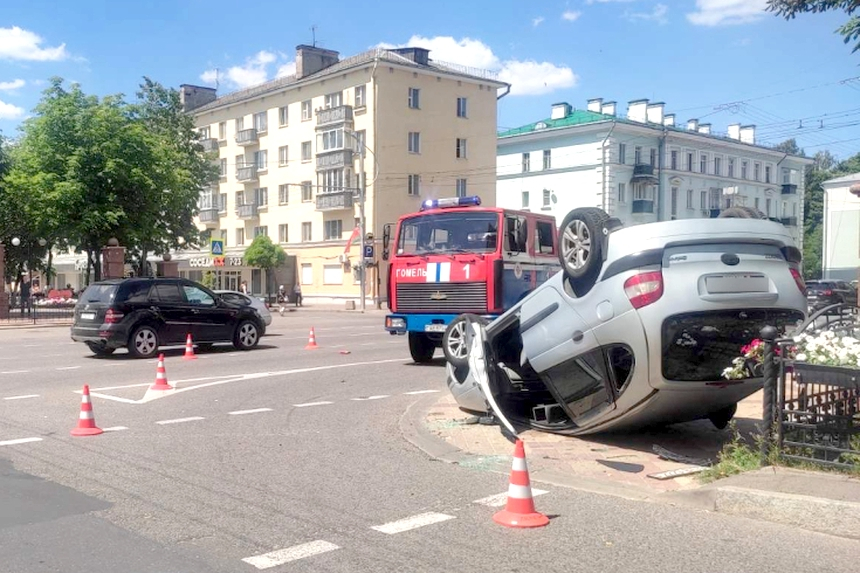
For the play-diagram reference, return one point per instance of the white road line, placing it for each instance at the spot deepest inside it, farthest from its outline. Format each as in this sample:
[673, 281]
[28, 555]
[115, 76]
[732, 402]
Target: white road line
[312, 404]
[379, 397]
[420, 392]
[180, 420]
[501, 499]
[15, 372]
[115, 429]
[413, 522]
[20, 441]
[21, 397]
[254, 411]
[294, 553]
[68, 368]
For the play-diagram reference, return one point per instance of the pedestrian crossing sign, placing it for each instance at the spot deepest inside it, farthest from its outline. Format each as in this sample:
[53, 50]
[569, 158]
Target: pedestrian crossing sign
[216, 247]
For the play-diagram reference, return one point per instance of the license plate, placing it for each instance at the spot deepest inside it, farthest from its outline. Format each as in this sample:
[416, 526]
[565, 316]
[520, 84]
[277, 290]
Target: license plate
[435, 327]
[88, 315]
[736, 283]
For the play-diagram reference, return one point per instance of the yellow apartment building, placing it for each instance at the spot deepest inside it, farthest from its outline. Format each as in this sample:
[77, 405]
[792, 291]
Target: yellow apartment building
[290, 153]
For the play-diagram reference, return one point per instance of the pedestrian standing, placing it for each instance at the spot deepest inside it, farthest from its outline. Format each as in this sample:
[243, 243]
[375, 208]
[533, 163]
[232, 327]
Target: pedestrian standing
[25, 295]
[282, 299]
[244, 287]
[297, 290]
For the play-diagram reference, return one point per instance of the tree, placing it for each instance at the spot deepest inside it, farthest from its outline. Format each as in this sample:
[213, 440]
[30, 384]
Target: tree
[790, 146]
[263, 253]
[788, 9]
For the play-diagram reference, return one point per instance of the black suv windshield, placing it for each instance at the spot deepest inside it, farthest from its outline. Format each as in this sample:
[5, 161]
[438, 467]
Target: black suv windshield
[99, 293]
[449, 233]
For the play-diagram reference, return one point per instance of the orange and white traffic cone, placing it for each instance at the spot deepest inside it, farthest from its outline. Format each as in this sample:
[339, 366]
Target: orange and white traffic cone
[312, 341]
[87, 420]
[160, 376]
[189, 349]
[520, 509]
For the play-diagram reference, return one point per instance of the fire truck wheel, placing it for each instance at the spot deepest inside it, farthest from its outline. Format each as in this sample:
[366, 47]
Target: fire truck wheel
[421, 347]
[581, 240]
[458, 339]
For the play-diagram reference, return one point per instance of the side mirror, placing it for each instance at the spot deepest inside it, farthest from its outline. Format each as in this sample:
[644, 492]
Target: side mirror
[386, 240]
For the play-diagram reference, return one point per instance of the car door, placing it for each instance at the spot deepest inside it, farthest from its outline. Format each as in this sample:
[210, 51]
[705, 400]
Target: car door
[169, 304]
[211, 320]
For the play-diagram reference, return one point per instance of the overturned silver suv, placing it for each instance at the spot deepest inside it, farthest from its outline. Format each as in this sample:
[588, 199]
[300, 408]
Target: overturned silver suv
[638, 327]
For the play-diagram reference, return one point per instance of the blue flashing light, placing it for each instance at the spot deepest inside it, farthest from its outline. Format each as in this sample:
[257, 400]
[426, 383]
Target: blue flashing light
[448, 202]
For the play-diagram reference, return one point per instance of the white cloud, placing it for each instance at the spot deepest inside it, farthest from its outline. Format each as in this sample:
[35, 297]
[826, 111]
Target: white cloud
[726, 12]
[571, 15]
[658, 15]
[538, 21]
[19, 44]
[527, 77]
[11, 86]
[287, 69]
[9, 111]
[253, 72]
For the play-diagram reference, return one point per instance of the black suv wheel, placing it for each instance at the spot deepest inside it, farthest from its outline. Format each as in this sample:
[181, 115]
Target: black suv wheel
[247, 335]
[143, 342]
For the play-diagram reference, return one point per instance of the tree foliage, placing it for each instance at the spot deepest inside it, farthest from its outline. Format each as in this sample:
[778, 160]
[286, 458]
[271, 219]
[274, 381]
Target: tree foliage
[790, 146]
[263, 253]
[850, 31]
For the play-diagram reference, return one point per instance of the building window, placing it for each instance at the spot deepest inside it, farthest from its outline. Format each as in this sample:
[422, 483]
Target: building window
[222, 130]
[307, 192]
[689, 162]
[757, 202]
[284, 194]
[786, 176]
[224, 236]
[261, 159]
[703, 163]
[461, 187]
[718, 165]
[414, 95]
[332, 181]
[333, 100]
[283, 155]
[757, 171]
[703, 200]
[547, 196]
[240, 236]
[222, 203]
[332, 140]
[689, 198]
[461, 148]
[767, 174]
[525, 199]
[203, 132]
[307, 274]
[743, 169]
[674, 203]
[414, 185]
[333, 229]
[622, 193]
[731, 167]
[283, 233]
[360, 137]
[767, 204]
[240, 198]
[261, 122]
[673, 159]
[307, 112]
[653, 156]
[547, 159]
[461, 107]
[622, 153]
[637, 155]
[284, 116]
[261, 196]
[332, 274]
[527, 160]
[240, 123]
[261, 230]
[360, 96]
[306, 151]
[306, 232]
[414, 142]
[223, 167]
[240, 161]
[642, 193]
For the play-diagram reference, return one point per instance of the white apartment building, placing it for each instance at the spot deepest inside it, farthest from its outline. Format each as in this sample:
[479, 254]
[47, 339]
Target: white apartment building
[289, 156]
[840, 251]
[643, 167]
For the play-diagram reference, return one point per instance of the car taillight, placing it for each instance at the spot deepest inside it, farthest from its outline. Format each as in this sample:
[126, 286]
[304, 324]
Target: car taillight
[112, 316]
[798, 280]
[644, 289]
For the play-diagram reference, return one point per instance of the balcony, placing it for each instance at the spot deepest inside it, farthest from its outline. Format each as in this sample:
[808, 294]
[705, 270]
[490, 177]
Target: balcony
[789, 221]
[209, 217]
[333, 159]
[246, 137]
[643, 172]
[247, 211]
[209, 144]
[643, 205]
[789, 189]
[335, 201]
[247, 173]
[334, 115]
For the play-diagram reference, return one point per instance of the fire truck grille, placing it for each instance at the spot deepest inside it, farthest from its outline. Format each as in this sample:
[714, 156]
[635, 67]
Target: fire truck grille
[442, 297]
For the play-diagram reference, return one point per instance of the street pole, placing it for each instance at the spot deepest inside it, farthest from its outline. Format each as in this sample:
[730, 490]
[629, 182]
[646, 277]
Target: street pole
[362, 230]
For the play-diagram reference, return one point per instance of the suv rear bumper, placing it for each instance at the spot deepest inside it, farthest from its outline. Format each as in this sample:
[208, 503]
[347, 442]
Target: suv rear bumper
[109, 336]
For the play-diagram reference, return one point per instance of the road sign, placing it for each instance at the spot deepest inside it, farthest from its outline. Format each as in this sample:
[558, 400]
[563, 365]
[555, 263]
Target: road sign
[368, 251]
[216, 247]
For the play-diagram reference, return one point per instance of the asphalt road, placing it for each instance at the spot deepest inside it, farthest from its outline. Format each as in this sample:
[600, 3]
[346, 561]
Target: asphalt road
[293, 459]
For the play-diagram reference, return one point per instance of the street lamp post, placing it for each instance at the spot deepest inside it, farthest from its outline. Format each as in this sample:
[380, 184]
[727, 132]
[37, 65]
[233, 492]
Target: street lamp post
[16, 242]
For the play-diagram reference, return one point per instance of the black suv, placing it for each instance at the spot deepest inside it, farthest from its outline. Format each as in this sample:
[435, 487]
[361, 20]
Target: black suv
[142, 314]
[824, 293]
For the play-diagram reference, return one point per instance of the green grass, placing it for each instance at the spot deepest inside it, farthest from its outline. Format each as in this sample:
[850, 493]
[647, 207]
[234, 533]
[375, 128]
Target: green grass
[736, 456]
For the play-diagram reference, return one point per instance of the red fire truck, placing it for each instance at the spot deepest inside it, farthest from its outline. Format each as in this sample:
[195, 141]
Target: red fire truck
[455, 257]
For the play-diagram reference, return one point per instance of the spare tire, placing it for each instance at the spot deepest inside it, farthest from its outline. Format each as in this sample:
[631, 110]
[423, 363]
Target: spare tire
[742, 213]
[457, 339]
[581, 242]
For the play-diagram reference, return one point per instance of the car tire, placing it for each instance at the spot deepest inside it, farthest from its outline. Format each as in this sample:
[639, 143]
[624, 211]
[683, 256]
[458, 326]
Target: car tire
[721, 418]
[143, 342]
[100, 350]
[741, 213]
[457, 339]
[581, 242]
[247, 335]
[421, 347]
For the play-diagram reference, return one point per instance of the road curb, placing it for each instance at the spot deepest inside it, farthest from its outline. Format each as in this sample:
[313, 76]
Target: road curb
[31, 326]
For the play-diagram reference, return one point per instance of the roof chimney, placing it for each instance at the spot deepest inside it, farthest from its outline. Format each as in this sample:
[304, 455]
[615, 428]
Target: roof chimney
[669, 120]
[654, 112]
[608, 108]
[748, 134]
[637, 110]
[310, 60]
[735, 131]
[693, 124]
[418, 55]
[192, 97]
[560, 110]
[705, 128]
[595, 104]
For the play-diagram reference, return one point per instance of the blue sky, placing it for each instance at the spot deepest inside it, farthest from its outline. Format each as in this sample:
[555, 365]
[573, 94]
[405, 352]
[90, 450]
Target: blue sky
[694, 55]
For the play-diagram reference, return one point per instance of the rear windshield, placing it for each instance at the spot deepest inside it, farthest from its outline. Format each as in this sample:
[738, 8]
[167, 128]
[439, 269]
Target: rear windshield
[820, 286]
[99, 293]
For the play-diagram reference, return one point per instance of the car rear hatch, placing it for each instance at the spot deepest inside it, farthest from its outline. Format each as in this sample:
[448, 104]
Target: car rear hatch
[93, 306]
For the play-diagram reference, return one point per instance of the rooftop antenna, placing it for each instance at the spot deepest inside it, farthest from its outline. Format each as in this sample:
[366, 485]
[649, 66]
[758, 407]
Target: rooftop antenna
[217, 76]
[314, 35]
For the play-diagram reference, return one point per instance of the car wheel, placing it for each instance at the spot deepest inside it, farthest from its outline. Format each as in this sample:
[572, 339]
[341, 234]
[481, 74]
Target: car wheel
[721, 418]
[458, 339]
[247, 335]
[421, 347]
[100, 350]
[581, 245]
[143, 342]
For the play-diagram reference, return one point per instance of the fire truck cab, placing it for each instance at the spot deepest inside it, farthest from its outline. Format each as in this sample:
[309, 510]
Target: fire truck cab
[455, 257]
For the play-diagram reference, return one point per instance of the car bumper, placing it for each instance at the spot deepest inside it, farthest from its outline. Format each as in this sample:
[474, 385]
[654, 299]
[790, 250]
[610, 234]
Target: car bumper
[112, 336]
[429, 323]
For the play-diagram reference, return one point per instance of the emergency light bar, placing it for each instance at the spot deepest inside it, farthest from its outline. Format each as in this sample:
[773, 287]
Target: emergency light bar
[446, 202]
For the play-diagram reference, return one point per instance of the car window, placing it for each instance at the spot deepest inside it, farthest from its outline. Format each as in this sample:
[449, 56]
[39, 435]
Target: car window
[516, 234]
[168, 293]
[235, 298]
[544, 233]
[137, 292]
[198, 296]
[99, 293]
